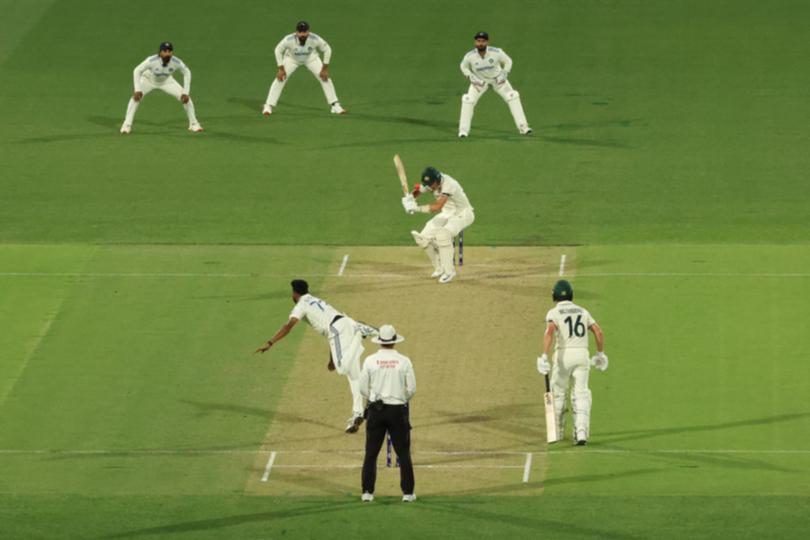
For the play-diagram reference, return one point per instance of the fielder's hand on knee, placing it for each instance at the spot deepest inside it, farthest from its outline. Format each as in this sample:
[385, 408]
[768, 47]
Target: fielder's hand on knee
[282, 73]
[184, 98]
[600, 361]
[137, 96]
[324, 74]
[543, 365]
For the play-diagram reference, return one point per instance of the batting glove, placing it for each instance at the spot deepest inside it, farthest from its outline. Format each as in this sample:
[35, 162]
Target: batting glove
[542, 364]
[600, 361]
[409, 204]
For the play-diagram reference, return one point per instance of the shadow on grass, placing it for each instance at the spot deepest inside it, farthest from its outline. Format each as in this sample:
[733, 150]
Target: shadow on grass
[636, 434]
[203, 525]
[204, 409]
[543, 527]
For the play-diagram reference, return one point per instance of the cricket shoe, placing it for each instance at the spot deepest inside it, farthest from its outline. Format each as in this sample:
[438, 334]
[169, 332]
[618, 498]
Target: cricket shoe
[581, 438]
[125, 129]
[462, 135]
[195, 128]
[409, 498]
[436, 274]
[337, 109]
[353, 424]
[525, 130]
[447, 278]
[366, 330]
[267, 110]
[367, 497]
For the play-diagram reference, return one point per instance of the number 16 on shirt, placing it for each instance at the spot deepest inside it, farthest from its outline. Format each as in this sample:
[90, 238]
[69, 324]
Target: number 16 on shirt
[551, 418]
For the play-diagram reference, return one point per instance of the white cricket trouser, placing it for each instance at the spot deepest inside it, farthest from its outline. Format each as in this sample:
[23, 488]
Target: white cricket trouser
[314, 65]
[572, 364]
[505, 90]
[438, 235]
[171, 87]
[346, 346]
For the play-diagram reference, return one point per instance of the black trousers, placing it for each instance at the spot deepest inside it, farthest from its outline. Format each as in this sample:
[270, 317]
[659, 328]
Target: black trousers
[394, 420]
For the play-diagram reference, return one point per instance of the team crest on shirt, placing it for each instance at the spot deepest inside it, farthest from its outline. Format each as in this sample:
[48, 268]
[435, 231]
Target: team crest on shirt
[491, 61]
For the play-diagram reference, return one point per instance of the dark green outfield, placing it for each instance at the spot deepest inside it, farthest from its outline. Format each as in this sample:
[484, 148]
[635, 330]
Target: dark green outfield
[670, 142]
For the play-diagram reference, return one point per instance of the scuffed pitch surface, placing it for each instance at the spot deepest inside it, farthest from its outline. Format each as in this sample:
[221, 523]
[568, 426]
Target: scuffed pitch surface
[477, 411]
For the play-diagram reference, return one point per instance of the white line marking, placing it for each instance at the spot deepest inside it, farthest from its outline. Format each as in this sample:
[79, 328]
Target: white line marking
[562, 264]
[269, 466]
[415, 466]
[527, 467]
[46, 328]
[343, 264]
[472, 453]
[507, 273]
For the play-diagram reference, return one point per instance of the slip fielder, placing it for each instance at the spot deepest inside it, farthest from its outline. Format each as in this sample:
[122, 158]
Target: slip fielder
[488, 67]
[157, 72]
[569, 323]
[298, 49]
[455, 213]
[345, 337]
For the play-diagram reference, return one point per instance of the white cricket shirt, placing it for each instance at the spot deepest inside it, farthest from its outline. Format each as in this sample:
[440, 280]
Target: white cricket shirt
[457, 201]
[388, 376]
[487, 67]
[573, 323]
[316, 312]
[153, 69]
[290, 47]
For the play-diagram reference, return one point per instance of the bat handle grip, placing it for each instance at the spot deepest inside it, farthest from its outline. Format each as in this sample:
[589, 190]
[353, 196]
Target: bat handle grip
[548, 383]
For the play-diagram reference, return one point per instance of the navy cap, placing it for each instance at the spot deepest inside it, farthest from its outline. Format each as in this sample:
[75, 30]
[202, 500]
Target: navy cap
[302, 26]
[482, 35]
[166, 46]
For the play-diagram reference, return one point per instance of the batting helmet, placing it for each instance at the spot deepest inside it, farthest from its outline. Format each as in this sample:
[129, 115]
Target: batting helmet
[562, 291]
[430, 176]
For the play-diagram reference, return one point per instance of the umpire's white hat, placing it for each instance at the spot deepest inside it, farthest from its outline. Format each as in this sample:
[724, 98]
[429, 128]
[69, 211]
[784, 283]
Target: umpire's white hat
[388, 336]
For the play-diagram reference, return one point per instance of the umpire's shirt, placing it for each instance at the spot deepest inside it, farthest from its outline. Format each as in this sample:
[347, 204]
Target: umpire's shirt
[388, 382]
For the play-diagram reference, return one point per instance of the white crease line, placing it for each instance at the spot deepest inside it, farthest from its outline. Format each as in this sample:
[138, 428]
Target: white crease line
[506, 273]
[269, 466]
[527, 467]
[343, 264]
[562, 264]
[416, 466]
[472, 453]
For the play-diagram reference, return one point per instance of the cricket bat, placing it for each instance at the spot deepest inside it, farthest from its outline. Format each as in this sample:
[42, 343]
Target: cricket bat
[401, 173]
[551, 418]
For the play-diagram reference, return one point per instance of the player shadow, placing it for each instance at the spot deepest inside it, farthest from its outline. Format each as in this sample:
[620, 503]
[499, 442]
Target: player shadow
[583, 142]
[542, 527]
[636, 434]
[727, 461]
[204, 525]
[204, 409]
[614, 122]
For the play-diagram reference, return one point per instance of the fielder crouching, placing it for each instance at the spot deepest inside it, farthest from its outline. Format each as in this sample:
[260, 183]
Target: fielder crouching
[569, 323]
[455, 213]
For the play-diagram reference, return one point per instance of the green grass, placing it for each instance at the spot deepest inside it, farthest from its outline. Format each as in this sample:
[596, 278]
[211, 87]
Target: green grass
[136, 273]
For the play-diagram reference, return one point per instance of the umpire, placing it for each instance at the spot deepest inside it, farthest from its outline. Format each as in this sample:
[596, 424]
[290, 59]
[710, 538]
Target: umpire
[388, 383]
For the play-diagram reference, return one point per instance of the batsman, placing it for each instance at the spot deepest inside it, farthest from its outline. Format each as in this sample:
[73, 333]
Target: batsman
[570, 323]
[454, 214]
